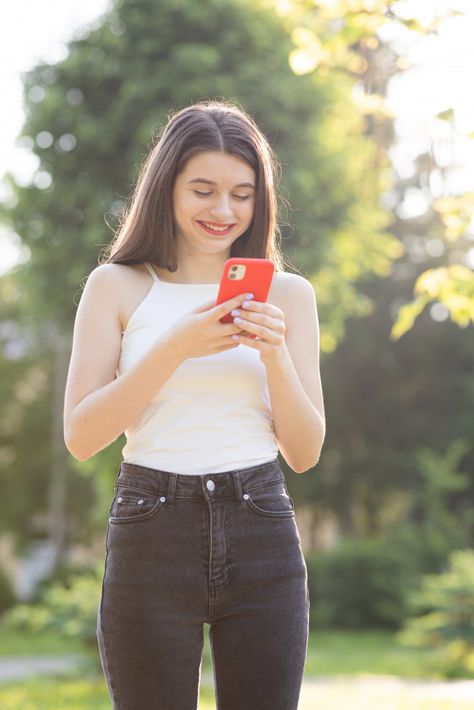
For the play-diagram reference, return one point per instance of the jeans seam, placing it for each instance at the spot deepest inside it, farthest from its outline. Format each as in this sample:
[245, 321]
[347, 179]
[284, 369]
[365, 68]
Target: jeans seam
[104, 644]
[139, 486]
[116, 520]
[216, 677]
[134, 487]
[269, 513]
[259, 486]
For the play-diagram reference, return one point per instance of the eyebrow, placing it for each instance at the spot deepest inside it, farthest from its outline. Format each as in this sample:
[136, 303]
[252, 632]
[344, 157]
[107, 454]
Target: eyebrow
[210, 182]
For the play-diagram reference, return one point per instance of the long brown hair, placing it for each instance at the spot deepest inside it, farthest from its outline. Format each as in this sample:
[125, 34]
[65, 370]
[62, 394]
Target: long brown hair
[146, 228]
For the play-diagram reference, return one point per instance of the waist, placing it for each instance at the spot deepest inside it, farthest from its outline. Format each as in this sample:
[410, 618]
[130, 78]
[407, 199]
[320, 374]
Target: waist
[225, 484]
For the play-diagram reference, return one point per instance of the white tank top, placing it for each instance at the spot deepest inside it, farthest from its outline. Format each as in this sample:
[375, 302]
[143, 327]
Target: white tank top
[213, 413]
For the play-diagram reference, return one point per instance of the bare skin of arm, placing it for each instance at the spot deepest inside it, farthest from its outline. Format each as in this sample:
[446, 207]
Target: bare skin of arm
[98, 407]
[288, 328]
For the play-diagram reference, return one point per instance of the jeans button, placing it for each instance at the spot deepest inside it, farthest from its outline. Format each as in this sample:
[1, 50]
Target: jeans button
[210, 485]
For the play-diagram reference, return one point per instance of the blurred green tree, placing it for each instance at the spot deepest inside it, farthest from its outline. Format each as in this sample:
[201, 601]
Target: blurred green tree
[353, 38]
[442, 615]
[388, 395]
[89, 121]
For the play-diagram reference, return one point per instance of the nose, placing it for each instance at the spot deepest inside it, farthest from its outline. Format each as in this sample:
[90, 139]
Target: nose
[222, 210]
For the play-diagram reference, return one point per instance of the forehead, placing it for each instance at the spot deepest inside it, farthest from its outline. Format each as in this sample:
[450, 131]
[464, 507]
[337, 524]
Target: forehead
[218, 167]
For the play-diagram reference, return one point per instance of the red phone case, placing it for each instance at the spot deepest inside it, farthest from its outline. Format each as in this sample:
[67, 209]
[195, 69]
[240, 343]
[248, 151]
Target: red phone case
[245, 275]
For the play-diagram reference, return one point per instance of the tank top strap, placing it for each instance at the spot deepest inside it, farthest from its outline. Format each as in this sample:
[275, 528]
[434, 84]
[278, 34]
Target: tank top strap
[152, 271]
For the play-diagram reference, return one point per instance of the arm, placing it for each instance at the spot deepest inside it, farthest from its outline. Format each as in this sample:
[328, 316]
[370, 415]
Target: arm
[290, 352]
[98, 407]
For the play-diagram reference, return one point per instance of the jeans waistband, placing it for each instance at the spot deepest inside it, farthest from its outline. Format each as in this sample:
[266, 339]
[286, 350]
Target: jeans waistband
[226, 484]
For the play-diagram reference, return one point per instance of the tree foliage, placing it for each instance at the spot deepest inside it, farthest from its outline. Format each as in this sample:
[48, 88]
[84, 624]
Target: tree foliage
[442, 614]
[347, 37]
[90, 120]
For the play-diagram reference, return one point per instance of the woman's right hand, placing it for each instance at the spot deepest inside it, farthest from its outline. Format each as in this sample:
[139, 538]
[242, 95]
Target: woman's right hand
[200, 333]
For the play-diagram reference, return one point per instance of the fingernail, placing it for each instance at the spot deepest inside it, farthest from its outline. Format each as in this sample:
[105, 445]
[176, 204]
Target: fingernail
[235, 312]
[249, 295]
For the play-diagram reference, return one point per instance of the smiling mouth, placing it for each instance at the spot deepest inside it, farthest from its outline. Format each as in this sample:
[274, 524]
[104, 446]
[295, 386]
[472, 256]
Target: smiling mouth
[215, 230]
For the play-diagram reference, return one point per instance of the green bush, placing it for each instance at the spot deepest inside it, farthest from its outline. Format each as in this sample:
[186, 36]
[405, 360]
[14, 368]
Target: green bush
[427, 545]
[67, 607]
[442, 614]
[7, 596]
[359, 584]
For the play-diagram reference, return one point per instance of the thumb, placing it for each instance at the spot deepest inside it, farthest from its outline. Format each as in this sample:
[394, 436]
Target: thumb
[206, 306]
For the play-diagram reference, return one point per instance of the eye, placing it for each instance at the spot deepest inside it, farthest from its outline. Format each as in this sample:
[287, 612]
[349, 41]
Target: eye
[206, 194]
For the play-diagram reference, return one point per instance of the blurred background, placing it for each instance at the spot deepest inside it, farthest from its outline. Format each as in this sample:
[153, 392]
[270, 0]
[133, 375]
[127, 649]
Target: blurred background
[368, 107]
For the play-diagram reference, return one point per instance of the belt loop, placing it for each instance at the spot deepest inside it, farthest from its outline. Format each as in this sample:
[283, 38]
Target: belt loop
[117, 477]
[238, 486]
[172, 480]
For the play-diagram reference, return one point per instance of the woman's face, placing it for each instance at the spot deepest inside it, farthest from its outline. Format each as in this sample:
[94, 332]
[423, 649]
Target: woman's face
[215, 189]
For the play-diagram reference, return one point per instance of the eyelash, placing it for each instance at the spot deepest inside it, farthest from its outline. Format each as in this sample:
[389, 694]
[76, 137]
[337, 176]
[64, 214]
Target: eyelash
[206, 194]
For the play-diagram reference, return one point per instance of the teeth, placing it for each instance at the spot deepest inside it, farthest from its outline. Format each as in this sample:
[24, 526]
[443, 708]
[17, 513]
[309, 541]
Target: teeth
[216, 229]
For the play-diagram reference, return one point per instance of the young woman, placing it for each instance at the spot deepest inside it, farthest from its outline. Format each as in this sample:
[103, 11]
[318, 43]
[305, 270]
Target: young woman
[201, 526]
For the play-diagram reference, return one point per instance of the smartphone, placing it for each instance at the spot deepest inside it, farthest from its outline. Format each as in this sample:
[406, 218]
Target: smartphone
[245, 275]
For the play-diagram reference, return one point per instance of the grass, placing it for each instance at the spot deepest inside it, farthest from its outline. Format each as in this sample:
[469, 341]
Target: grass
[330, 652]
[85, 693]
[73, 694]
[335, 653]
[17, 643]
[349, 657]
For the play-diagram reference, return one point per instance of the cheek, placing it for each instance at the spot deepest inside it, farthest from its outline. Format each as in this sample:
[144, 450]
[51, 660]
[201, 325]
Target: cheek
[247, 208]
[186, 207]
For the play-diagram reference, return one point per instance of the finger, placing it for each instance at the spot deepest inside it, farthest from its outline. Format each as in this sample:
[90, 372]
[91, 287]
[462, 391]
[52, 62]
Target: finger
[223, 308]
[205, 306]
[226, 306]
[230, 328]
[254, 341]
[247, 334]
[272, 324]
[268, 334]
[228, 346]
[264, 308]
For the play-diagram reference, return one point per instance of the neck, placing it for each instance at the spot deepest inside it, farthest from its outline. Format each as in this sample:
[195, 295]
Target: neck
[194, 271]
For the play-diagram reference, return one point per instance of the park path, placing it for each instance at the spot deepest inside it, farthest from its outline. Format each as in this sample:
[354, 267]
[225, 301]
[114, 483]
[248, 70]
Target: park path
[353, 693]
[19, 667]
[387, 692]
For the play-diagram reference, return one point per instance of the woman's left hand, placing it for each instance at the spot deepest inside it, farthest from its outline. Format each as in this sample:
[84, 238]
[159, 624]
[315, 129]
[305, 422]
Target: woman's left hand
[267, 323]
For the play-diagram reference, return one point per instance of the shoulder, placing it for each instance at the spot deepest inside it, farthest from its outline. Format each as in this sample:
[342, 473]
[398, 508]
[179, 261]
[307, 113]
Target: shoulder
[114, 278]
[289, 278]
[289, 286]
[296, 297]
[110, 273]
[122, 287]
[116, 287]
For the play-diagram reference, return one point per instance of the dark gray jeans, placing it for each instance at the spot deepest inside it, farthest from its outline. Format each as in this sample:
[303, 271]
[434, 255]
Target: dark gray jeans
[185, 550]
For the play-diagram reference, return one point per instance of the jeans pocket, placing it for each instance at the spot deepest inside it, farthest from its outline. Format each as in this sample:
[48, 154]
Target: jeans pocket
[131, 505]
[271, 500]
